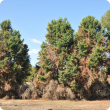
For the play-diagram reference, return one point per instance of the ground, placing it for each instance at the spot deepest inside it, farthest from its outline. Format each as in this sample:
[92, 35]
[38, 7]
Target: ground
[54, 105]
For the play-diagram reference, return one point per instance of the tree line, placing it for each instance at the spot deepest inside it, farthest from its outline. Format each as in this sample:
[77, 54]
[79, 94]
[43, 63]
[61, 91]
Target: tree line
[71, 58]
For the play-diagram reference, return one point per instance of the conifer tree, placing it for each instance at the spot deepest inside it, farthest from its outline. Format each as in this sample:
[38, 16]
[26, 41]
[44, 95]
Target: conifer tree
[55, 50]
[32, 70]
[105, 21]
[14, 58]
[74, 60]
[90, 51]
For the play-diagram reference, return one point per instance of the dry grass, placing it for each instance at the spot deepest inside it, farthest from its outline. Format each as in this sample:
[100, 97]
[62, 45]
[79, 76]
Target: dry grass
[54, 105]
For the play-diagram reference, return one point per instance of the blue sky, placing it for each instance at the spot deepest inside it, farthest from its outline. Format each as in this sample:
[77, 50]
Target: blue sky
[31, 17]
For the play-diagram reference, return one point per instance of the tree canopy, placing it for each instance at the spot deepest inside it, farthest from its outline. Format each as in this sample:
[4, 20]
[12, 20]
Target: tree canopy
[73, 59]
[14, 58]
[105, 20]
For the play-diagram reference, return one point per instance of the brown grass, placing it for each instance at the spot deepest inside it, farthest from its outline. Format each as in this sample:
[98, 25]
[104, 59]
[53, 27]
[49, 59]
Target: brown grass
[54, 105]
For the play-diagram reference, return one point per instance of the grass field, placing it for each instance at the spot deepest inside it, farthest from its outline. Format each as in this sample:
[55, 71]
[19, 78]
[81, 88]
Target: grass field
[54, 105]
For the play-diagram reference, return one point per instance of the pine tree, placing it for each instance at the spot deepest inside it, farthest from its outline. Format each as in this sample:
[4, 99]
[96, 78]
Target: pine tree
[55, 50]
[28, 78]
[32, 70]
[89, 51]
[14, 58]
[74, 60]
[105, 21]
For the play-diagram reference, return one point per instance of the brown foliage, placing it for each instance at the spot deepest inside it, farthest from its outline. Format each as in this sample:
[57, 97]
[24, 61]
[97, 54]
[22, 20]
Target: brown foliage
[34, 91]
[55, 91]
[86, 76]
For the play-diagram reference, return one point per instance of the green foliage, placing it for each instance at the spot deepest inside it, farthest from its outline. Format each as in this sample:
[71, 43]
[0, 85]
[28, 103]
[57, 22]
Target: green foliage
[69, 73]
[15, 58]
[55, 28]
[105, 20]
[90, 23]
[74, 87]
[42, 78]
[63, 53]
[96, 57]
[33, 72]
[59, 36]
[82, 48]
[104, 74]
[6, 25]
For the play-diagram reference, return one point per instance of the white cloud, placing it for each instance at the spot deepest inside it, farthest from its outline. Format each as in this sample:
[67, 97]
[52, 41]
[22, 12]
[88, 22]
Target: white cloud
[108, 1]
[33, 51]
[1, 1]
[35, 41]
